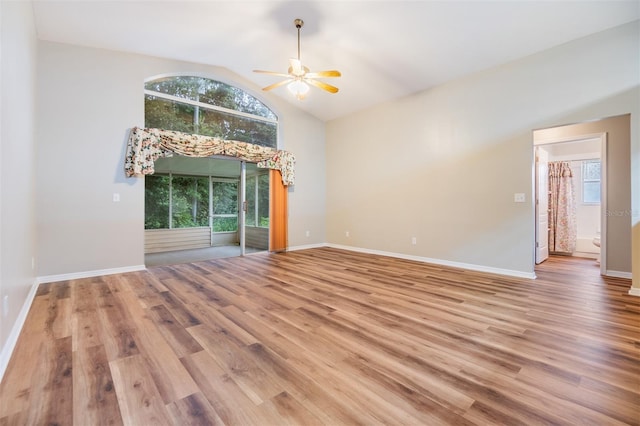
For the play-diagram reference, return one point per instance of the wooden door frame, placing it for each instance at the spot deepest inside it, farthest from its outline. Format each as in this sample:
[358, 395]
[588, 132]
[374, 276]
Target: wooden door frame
[537, 194]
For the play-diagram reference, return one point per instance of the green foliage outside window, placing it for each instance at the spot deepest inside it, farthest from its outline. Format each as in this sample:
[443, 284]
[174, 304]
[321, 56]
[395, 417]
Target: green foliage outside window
[225, 202]
[250, 217]
[156, 202]
[225, 224]
[189, 199]
[172, 115]
[260, 216]
[263, 200]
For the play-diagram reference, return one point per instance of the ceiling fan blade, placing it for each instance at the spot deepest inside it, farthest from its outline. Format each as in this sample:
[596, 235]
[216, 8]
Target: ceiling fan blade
[323, 74]
[279, 74]
[324, 86]
[274, 85]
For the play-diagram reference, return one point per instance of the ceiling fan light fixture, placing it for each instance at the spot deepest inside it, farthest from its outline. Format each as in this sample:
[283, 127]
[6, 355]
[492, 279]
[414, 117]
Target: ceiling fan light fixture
[299, 88]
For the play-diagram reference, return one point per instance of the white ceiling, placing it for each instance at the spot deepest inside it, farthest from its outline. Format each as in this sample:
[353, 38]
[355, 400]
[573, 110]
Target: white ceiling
[384, 49]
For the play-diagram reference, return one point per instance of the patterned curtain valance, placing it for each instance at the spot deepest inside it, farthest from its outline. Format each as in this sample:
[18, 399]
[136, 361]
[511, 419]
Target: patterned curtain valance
[147, 145]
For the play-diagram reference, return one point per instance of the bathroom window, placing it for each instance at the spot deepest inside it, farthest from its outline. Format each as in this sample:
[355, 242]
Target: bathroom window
[591, 181]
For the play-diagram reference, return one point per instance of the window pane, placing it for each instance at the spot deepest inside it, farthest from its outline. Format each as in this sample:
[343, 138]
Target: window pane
[263, 200]
[156, 202]
[183, 87]
[225, 224]
[232, 127]
[202, 189]
[225, 202]
[168, 115]
[190, 201]
[250, 220]
[591, 192]
[164, 114]
[225, 198]
[220, 94]
[211, 92]
[591, 170]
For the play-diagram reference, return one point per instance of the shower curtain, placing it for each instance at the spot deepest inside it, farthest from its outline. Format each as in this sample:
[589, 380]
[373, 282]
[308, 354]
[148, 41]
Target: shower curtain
[562, 208]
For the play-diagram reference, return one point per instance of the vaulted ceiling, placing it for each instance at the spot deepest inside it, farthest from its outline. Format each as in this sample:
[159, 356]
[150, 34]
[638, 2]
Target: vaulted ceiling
[384, 49]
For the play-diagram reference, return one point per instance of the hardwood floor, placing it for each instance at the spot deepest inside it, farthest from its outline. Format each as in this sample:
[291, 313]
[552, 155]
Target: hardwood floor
[328, 337]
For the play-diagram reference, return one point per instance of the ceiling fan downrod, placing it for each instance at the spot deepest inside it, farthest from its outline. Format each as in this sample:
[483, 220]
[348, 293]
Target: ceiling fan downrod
[298, 23]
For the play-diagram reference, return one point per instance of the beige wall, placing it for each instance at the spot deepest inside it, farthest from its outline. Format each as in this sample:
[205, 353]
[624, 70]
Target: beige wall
[618, 221]
[89, 99]
[636, 259]
[443, 165]
[17, 171]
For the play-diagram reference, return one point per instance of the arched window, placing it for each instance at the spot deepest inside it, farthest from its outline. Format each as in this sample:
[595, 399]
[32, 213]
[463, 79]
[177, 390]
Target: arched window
[202, 106]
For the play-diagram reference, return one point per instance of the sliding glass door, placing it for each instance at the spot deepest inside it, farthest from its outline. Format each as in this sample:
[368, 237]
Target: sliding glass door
[256, 209]
[208, 203]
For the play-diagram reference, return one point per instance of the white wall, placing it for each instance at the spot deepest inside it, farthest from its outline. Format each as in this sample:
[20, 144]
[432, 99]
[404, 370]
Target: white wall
[443, 165]
[17, 176]
[89, 99]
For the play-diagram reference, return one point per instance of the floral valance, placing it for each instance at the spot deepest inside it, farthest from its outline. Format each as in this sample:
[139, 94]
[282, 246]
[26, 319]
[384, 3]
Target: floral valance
[147, 145]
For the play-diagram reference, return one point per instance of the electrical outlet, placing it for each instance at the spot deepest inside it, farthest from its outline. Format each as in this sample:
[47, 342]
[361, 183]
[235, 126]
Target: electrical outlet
[414, 240]
[307, 234]
[116, 197]
[518, 197]
[346, 234]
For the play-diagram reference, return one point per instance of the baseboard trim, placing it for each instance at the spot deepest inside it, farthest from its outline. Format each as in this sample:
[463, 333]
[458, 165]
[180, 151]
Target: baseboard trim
[585, 254]
[306, 247]
[469, 266]
[89, 274]
[634, 291]
[12, 340]
[618, 274]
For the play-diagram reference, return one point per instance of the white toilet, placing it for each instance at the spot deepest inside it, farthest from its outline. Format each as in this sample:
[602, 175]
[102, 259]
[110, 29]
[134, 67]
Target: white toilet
[596, 242]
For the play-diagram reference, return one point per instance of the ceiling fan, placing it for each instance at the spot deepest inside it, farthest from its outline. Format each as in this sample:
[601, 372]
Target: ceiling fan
[298, 77]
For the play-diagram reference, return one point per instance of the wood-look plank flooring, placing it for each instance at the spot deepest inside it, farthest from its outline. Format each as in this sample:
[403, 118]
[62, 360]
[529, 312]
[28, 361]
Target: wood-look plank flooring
[328, 337]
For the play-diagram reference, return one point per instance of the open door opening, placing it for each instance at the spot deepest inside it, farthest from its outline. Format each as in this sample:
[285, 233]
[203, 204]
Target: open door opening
[579, 151]
[204, 208]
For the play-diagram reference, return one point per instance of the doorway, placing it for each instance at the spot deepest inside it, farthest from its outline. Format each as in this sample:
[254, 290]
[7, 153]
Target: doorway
[586, 156]
[203, 208]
